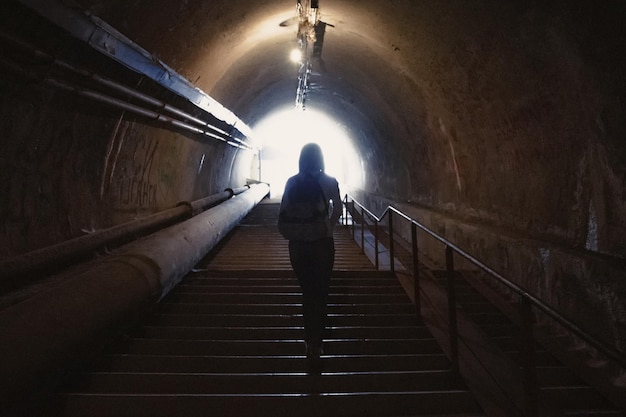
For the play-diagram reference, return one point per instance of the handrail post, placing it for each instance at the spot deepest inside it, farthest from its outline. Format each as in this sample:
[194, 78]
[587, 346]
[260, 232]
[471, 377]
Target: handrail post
[416, 281]
[362, 230]
[528, 357]
[376, 250]
[392, 266]
[452, 319]
[352, 216]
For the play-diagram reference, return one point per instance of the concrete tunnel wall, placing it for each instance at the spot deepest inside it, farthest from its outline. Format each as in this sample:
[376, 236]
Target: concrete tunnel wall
[500, 124]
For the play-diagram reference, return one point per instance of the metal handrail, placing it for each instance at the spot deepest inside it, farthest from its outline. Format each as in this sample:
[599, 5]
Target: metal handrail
[527, 300]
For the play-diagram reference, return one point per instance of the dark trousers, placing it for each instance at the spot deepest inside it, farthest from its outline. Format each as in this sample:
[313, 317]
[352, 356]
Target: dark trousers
[312, 263]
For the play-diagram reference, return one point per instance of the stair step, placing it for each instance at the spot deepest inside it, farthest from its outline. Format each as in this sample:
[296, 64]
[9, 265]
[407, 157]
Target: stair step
[295, 288]
[295, 332]
[358, 281]
[280, 309]
[284, 298]
[303, 404]
[271, 347]
[228, 320]
[264, 383]
[233, 364]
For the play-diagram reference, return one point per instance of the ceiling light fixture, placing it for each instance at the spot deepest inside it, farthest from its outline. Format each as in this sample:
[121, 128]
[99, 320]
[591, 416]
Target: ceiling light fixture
[308, 14]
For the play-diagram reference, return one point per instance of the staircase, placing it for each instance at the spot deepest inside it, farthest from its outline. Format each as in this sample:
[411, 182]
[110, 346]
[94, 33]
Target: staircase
[228, 342]
[561, 391]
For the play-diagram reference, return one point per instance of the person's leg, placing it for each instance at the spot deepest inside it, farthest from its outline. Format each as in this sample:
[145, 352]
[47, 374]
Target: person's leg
[312, 263]
[300, 257]
[324, 254]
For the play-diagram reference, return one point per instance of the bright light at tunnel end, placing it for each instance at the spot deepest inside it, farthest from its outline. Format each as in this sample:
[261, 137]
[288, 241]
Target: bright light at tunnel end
[283, 133]
[296, 56]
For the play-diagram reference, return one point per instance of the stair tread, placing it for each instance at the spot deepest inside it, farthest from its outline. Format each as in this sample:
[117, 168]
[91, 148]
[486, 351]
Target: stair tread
[265, 383]
[301, 404]
[208, 363]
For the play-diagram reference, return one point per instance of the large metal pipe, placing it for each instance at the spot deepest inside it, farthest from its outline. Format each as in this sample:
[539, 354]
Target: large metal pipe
[44, 335]
[199, 206]
[15, 272]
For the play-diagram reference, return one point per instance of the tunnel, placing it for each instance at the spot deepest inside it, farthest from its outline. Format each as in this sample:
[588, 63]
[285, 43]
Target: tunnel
[500, 125]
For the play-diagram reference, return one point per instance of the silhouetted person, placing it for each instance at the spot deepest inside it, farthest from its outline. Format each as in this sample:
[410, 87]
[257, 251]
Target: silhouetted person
[309, 210]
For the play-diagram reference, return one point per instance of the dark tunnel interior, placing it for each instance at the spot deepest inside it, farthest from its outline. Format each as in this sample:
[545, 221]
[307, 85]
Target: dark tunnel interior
[499, 124]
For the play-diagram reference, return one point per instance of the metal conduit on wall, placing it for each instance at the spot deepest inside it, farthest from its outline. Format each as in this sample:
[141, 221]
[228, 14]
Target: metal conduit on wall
[99, 79]
[53, 330]
[123, 105]
[108, 41]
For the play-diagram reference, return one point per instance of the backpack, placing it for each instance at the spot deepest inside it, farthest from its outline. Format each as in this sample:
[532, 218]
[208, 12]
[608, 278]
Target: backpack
[304, 213]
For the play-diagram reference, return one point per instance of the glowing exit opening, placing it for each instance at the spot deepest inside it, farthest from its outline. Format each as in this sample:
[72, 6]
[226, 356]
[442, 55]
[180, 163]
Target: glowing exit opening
[281, 136]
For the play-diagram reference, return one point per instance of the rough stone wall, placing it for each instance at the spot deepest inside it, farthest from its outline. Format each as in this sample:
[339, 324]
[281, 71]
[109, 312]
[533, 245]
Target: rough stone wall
[70, 168]
[518, 107]
[584, 287]
[50, 161]
[70, 165]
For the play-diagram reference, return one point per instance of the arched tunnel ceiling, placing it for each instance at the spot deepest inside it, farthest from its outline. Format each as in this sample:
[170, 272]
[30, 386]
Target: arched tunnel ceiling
[238, 52]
